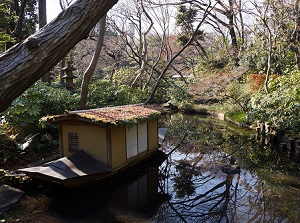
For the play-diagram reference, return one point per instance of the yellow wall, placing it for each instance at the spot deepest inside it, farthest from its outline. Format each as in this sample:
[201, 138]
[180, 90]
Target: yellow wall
[118, 145]
[96, 141]
[91, 139]
[153, 134]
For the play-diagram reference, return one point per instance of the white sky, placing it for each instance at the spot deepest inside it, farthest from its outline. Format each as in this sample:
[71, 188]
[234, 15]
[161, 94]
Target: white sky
[53, 9]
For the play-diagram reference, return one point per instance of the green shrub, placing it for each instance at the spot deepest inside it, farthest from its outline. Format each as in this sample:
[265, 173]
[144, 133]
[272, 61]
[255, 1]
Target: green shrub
[22, 117]
[281, 107]
[124, 76]
[38, 101]
[103, 93]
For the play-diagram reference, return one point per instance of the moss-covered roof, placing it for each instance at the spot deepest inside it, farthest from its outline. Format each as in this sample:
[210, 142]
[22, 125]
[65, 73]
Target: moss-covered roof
[127, 114]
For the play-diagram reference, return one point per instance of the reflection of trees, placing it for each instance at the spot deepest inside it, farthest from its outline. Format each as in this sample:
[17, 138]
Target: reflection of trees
[183, 183]
[201, 207]
[190, 203]
[208, 195]
[211, 205]
[216, 198]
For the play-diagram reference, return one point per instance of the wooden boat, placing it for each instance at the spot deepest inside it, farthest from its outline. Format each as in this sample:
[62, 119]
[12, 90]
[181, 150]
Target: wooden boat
[98, 144]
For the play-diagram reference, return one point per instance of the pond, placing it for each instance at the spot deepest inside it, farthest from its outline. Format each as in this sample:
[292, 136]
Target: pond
[189, 186]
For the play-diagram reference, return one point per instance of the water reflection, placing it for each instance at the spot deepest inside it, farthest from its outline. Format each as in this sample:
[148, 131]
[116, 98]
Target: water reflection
[190, 186]
[126, 200]
[201, 192]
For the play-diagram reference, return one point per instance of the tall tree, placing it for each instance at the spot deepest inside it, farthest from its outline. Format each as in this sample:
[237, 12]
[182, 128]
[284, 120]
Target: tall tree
[222, 13]
[42, 23]
[185, 18]
[169, 63]
[91, 68]
[296, 34]
[25, 63]
[143, 46]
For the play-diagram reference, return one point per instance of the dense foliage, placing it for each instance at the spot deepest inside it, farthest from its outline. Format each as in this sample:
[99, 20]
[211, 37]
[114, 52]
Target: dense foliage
[5, 19]
[18, 20]
[281, 108]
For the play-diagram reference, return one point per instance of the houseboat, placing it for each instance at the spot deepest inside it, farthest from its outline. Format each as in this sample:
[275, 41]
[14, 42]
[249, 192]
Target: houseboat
[100, 143]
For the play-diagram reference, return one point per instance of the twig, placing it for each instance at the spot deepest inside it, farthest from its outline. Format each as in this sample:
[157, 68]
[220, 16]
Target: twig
[176, 147]
[243, 143]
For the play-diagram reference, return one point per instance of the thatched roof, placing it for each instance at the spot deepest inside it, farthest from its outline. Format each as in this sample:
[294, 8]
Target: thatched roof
[118, 115]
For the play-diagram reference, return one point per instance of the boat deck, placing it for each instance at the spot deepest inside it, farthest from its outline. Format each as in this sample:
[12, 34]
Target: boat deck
[77, 165]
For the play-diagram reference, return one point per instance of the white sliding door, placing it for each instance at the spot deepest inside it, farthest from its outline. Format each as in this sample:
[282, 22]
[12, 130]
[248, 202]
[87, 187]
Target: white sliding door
[131, 141]
[142, 137]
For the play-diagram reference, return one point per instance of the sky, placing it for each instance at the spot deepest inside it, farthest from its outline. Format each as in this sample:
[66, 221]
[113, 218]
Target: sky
[53, 9]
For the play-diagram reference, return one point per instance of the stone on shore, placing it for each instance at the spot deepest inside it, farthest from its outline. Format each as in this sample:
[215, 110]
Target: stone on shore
[9, 196]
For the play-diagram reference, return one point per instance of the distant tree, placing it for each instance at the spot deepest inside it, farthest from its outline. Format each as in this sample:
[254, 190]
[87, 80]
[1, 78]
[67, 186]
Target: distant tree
[295, 40]
[5, 27]
[18, 20]
[27, 18]
[222, 15]
[171, 60]
[185, 18]
[65, 3]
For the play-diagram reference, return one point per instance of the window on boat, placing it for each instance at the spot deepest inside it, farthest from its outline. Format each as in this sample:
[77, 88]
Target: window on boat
[73, 141]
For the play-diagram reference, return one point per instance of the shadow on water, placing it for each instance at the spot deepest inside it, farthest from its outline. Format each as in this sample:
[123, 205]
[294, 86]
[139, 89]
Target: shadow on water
[137, 197]
[192, 184]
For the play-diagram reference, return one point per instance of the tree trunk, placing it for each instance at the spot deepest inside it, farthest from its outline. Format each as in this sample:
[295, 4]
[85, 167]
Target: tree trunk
[90, 70]
[233, 34]
[20, 12]
[144, 49]
[42, 13]
[296, 33]
[22, 65]
[269, 61]
[42, 23]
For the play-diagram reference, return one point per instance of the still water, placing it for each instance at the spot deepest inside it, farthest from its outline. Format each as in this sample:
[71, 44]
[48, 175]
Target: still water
[189, 185]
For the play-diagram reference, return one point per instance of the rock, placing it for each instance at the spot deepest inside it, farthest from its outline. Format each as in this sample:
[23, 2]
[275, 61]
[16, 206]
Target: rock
[169, 105]
[230, 169]
[9, 196]
[2, 172]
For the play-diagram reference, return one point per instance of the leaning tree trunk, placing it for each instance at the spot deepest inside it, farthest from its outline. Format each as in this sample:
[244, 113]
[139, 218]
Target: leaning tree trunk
[92, 66]
[23, 64]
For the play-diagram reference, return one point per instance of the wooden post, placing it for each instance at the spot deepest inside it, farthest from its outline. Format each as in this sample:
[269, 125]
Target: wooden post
[267, 127]
[291, 146]
[258, 132]
[262, 132]
[283, 147]
[292, 151]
